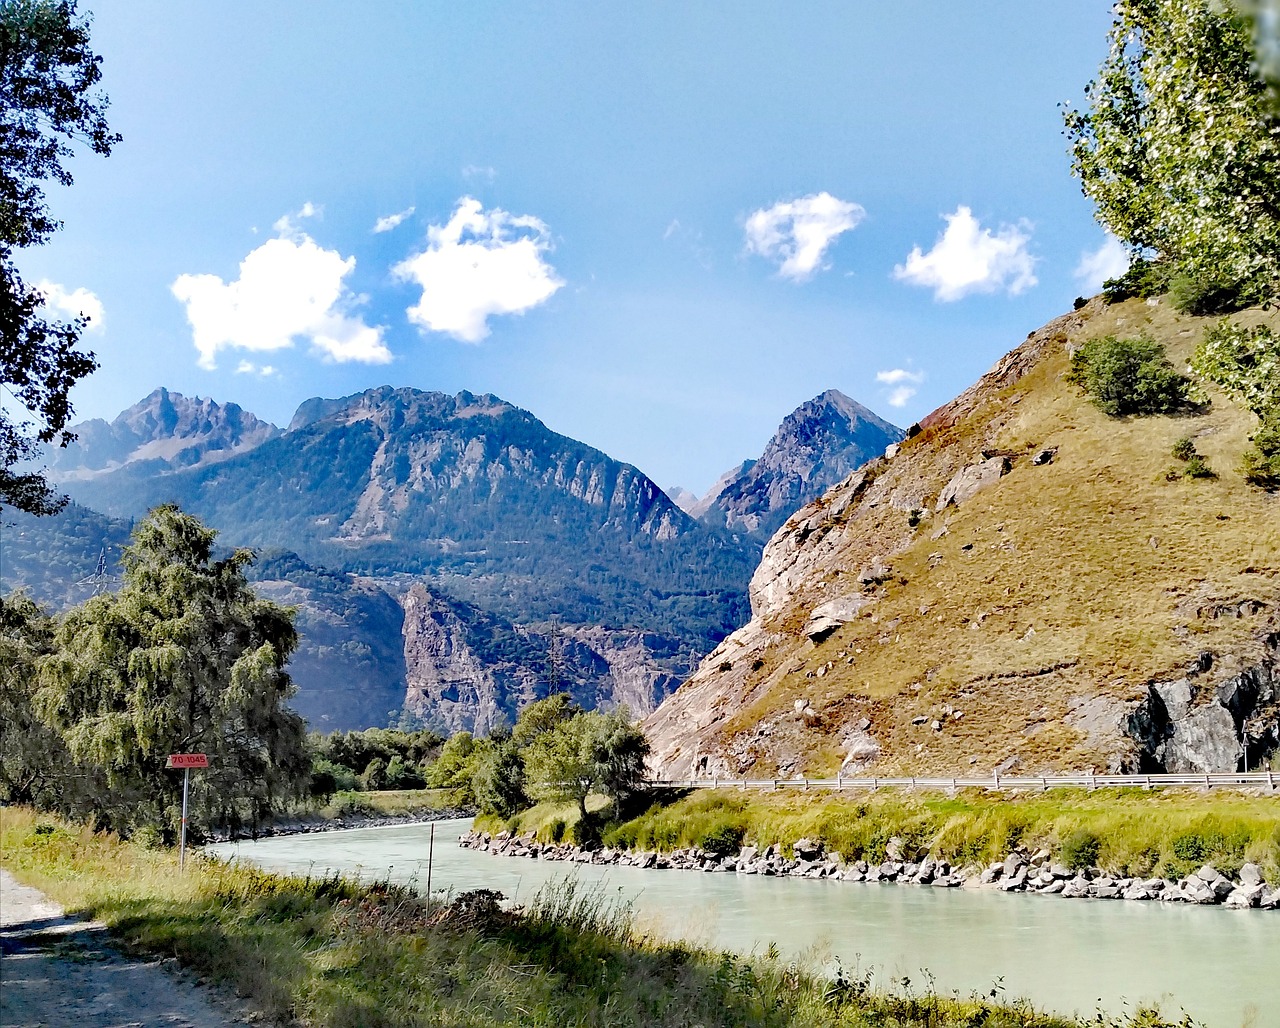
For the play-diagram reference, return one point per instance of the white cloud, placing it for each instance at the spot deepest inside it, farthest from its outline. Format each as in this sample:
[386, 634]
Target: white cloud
[483, 172]
[289, 288]
[478, 265]
[72, 302]
[968, 258]
[797, 233]
[249, 368]
[904, 383]
[287, 226]
[896, 375]
[393, 220]
[1110, 260]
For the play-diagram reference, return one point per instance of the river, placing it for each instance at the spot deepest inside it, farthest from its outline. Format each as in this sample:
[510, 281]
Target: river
[1220, 966]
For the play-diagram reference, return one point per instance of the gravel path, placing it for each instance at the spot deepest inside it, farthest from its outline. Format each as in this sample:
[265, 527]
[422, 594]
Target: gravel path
[57, 971]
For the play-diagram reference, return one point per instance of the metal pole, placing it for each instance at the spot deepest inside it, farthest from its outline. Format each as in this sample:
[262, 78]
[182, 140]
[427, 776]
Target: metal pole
[431, 852]
[182, 843]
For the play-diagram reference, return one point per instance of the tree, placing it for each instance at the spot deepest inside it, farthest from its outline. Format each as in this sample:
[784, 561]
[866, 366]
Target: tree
[1177, 151]
[185, 657]
[499, 780]
[592, 752]
[542, 716]
[455, 768]
[48, 101]
[35, 767]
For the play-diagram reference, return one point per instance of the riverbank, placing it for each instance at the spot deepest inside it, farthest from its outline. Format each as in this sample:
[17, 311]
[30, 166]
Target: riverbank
[1116, 843]
[331, 951]
[359, 810]
[1019, 871]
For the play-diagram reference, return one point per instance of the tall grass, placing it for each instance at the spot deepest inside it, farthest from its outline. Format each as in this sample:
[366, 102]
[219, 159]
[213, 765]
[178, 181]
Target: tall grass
[329, 951]
[1134, 832]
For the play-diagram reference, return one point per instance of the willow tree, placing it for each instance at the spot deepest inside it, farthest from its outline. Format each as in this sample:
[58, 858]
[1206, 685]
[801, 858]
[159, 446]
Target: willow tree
[1177, 149]
[184, 658]
[34, 765]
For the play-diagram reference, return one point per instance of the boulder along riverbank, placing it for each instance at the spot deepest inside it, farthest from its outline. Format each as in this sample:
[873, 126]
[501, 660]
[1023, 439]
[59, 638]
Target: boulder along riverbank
[1020, 871]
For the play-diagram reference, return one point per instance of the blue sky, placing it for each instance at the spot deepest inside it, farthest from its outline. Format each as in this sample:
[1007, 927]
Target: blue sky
[660, 227]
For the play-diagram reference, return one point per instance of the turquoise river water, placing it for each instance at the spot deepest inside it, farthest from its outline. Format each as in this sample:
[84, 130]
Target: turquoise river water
[1220, 966]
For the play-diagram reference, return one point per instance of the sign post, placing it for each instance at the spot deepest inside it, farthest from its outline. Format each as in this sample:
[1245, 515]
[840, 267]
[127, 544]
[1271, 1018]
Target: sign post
[186, 761]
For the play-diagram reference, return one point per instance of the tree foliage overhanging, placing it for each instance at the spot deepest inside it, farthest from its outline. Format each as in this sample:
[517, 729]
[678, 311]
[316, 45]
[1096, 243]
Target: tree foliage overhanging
[184, 658]
[1177, 149]
[49, 101]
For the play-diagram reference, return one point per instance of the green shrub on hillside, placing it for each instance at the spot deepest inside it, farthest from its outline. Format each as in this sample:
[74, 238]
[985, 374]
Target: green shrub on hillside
[1128, 376]
[1261, 463]
[1209, 293]
[1142, 280]
[1193, 464]
[1080, 849]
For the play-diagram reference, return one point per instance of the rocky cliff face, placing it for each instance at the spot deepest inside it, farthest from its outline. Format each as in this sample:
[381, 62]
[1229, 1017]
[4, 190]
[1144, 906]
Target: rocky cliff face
[164, 427]
[816, 446]
[469, 671]
[1016, 585]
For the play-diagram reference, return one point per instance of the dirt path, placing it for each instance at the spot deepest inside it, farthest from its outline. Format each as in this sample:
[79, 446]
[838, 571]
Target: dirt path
[57, 971]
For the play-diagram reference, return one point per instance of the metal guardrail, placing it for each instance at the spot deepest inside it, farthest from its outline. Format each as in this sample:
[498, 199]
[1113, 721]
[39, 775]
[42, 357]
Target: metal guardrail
[1267, 779]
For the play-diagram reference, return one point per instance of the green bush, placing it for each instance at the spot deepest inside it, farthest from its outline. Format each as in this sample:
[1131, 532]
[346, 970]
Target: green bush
[1184, 449]
[375, 775]
[1207, 294]
[403, 775]
[1190, 848]
[1129, 376]
[1261, 462]
[1144, 279]
[1198, 467]
[723, 840]
[1080, 849]
[556, 830]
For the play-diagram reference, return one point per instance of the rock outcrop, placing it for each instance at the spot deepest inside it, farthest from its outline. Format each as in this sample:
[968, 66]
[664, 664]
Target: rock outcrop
[466, 670]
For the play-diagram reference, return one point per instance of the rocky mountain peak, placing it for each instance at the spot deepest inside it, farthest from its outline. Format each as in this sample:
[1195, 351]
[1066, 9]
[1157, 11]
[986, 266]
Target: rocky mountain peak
[817, 445]
[181, 431]
[397, 406]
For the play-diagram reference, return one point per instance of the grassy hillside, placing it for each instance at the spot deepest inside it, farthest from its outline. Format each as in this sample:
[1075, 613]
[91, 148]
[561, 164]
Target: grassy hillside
[1027, 621]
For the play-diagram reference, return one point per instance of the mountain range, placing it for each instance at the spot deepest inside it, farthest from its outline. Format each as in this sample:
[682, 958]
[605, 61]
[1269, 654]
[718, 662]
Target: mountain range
[450, 556]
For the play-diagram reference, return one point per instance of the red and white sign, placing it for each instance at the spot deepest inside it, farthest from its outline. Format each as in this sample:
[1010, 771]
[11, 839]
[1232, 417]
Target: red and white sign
[185, 760]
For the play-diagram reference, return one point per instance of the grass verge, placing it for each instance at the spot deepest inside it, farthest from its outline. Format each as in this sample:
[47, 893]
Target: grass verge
[1125, 831]
[332, 952]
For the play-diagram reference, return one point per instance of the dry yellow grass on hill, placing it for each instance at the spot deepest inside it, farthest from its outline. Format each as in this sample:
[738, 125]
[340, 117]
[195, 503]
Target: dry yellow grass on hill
[1025, 623]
